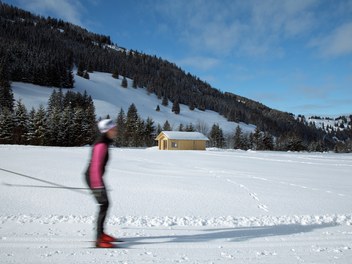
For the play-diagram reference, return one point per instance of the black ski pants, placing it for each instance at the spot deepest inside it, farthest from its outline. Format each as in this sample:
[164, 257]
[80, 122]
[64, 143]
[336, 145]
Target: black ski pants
[103, 201]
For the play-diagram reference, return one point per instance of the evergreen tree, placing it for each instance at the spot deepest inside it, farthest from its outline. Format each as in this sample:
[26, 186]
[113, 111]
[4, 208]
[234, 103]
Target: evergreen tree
[21, 123]
[53, 125]
[56, 101]
[66, 127]
[238, 139]
[40, 127]
[167, 126]
[257, 140]
[139, 135]
[190, 128]
[124, 83]
[149, 132]
[216, 136]
[6, 95]
[69, 80]
[131, 125]
[115, 74]
[192, 106]
[78, 138]
[134, 84]
[89, 127]
[268, 141]
[30, 137]
[86, 75]
[165, 101]
[80, 69]
[176, 107]
[120, 140]
[7, 125]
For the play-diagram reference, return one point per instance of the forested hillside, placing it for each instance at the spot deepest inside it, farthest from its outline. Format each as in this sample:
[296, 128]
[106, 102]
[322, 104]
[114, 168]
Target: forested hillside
[44, 51]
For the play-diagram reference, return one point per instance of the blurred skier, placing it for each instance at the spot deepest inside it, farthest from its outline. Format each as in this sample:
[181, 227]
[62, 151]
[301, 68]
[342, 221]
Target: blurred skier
[94, 178]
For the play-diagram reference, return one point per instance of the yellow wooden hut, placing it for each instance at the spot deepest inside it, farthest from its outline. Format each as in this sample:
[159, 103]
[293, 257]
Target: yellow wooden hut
[175, 140]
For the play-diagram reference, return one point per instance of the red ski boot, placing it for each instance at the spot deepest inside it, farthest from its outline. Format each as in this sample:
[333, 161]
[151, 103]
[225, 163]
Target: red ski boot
[106, 238]
[105, 241]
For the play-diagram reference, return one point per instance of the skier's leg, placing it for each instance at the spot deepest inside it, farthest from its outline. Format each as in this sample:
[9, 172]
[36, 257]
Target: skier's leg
[102, 198]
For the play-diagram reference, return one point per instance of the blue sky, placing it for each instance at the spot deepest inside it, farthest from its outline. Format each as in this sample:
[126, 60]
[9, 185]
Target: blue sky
[291, 55]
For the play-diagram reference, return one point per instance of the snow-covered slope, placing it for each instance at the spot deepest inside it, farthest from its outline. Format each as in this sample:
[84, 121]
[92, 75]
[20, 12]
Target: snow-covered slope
[109, 97]
[330, 124]
[211, 206]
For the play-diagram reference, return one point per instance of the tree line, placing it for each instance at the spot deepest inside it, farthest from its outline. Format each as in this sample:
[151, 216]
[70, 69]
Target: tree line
[45, 50]
[68, 120]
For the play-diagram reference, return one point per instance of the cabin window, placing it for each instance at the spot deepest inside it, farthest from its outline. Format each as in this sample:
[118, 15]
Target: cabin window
[174, 144]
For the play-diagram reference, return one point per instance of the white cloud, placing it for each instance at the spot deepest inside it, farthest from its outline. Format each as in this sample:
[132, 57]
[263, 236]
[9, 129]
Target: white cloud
[67, 10]
[254, 28]
[198, 62]
[335, 44]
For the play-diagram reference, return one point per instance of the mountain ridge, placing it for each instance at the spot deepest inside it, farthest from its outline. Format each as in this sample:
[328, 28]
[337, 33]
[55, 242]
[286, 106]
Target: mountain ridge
[44, 51]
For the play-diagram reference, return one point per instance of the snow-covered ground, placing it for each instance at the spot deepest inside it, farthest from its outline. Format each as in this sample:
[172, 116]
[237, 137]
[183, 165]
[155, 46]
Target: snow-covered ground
[109, 97]
[213, 206]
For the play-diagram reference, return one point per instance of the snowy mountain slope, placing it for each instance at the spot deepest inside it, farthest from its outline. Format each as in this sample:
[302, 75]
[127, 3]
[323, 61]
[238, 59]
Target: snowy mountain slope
[109, 97]
[330, 124]
[212, 206]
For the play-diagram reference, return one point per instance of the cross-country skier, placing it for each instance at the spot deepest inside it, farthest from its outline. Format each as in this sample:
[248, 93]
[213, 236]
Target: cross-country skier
[94, 178]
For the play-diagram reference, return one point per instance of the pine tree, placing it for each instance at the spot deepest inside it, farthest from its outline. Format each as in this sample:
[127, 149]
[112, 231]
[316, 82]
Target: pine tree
[176, 107]
[167, 126]
[192, 106]
[40, 126]
[165, 101]
[216, 136]
[138, 136]
[80, 69]
[115, 74]
[131, 125]
[238, 144]
[7, 125]
[149, 132]
[53, 125]
[69, 81]
[120, 140]
[77, 127]
[190, 128]
[66, 127]
[268, 141]
[86, 75]
[257, 140]
[124, 83]
[21, 123]
[6, 94]
[30, 136]
[134, 84]
[89, 127]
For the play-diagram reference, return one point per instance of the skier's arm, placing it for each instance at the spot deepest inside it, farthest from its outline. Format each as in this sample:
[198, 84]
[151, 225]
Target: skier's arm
[96, 168]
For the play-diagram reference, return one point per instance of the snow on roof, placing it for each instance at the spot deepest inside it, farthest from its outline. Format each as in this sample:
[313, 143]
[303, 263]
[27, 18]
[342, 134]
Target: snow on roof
[184, 135]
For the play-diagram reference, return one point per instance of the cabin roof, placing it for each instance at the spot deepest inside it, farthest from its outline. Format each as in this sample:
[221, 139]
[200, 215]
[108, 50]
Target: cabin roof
[178, 135]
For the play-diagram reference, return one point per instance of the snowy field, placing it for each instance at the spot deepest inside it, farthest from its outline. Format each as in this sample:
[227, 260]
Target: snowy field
[214, 206]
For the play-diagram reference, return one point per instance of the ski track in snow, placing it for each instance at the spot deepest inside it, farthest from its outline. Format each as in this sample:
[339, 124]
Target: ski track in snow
[218, 174]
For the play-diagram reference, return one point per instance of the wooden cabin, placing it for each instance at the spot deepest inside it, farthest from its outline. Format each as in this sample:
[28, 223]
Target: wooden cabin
[175, 140]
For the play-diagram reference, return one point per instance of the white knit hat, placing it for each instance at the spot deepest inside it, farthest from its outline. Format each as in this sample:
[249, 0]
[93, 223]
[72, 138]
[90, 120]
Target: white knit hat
[105, 125]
